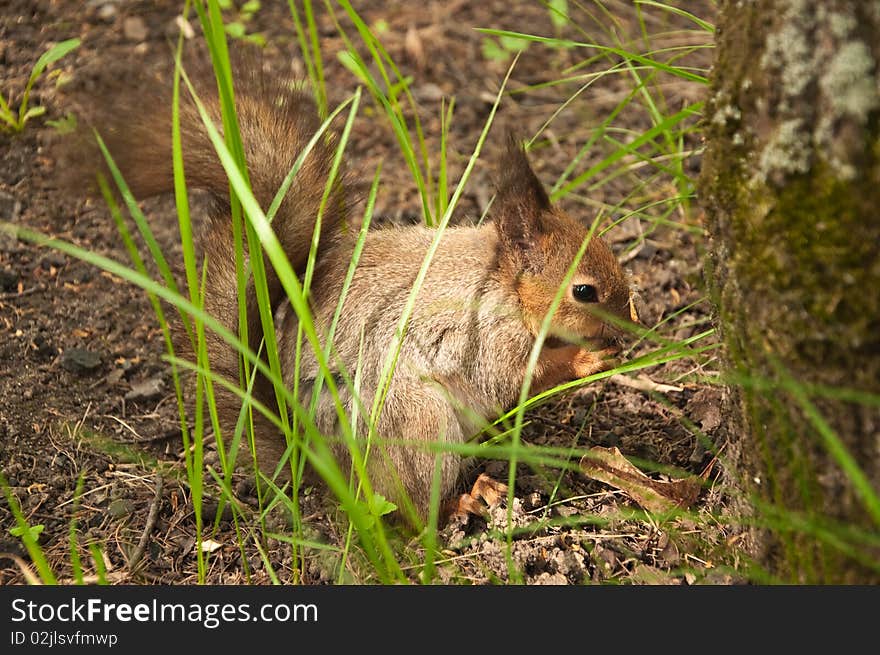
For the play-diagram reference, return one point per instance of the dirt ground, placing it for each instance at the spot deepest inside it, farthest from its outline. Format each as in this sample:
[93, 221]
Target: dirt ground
[84, 392]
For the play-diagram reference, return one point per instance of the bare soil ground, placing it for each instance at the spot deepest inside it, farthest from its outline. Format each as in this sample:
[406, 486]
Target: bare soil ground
[85, 395]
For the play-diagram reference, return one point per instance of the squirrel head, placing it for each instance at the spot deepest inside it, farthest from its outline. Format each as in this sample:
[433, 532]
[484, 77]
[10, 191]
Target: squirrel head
[538, 243]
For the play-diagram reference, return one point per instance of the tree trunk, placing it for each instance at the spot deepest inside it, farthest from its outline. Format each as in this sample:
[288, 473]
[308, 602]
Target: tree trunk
[791, 189]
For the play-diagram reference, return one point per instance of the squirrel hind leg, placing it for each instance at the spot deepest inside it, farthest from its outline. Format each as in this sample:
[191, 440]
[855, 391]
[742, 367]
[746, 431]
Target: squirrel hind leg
[404, 466]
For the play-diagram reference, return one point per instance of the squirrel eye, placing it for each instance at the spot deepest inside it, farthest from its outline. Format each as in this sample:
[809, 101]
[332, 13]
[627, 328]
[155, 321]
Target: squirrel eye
[585, 293]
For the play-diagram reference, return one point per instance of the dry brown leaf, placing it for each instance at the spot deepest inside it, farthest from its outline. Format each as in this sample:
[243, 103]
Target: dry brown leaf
[608, 465]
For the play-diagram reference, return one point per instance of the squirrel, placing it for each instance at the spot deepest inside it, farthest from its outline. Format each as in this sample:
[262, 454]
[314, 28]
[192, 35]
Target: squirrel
[465, 354]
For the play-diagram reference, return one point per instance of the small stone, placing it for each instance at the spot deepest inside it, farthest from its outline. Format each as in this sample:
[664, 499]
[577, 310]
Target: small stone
[107, 12]
[572, 565]
[611, 439]
[699, 453]
[45, 350]
[114, 376]
[119, 508]
[670, 555]
[134, 28]
[428, 92]
[180, 26]
[533, 501]
[9, 206]
[8, 281]
[647, 251]
[9, 243]
[79, 360]
[211, 458]
[705, 408]
[565, 510]
[209, 511]
[53, 259]
[146, 390]
[551, 579]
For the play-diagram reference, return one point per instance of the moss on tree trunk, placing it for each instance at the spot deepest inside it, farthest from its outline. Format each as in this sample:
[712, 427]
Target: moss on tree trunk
[791, 188]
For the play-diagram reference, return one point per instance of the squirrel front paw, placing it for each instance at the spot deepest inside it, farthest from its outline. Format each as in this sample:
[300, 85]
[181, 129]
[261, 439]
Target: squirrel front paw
[588, 362]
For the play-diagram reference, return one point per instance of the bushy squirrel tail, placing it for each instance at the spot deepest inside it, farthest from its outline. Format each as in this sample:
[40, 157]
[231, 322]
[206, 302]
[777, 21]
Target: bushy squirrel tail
[276, 124]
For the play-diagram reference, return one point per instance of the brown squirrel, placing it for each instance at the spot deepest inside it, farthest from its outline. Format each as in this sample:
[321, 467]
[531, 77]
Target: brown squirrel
[476, 317]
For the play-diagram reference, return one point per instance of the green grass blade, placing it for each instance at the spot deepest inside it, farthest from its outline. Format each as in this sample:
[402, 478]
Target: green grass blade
[837, 449]
[390, 103]
[310, 49]
[702, 24]
[75, 561]
[30, 542]
[626, 54]
[138, 216]
[618, 154]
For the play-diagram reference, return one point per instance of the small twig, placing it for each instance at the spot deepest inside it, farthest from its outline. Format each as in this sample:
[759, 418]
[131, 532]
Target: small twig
[148, 528]
[81, 422]
[708, 469]
[632, 254]
[26, 570]
[643, 383]
[565, 501]
[706, 564]
[11, 295]
[125, 425]
[83, 495]
[94, 578]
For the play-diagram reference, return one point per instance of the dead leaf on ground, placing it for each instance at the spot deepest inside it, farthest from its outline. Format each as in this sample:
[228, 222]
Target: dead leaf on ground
[608, 465]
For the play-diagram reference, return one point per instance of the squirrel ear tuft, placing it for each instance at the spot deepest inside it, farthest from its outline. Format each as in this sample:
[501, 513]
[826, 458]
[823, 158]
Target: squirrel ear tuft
[518, 182]
[521, 201]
